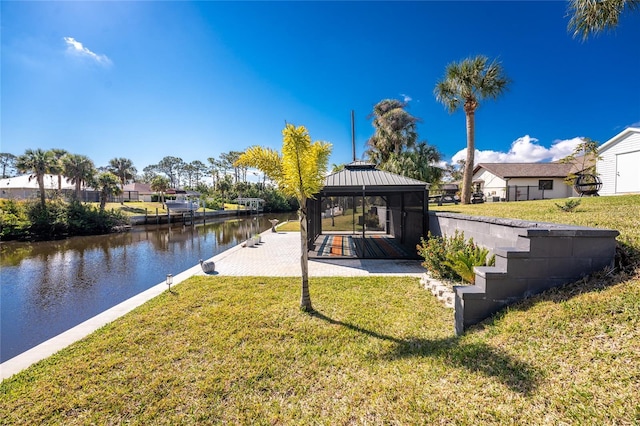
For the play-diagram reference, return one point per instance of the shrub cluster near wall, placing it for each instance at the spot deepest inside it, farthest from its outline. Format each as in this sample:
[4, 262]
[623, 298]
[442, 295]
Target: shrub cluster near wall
[453, 258]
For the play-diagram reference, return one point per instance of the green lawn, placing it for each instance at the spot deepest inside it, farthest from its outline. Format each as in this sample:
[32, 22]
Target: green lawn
[379, 350]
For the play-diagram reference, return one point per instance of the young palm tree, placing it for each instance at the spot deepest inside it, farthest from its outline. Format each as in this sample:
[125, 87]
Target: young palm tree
[37, 162]
[592, 17]
[466, 84]
[78, 169]
[160, 184]
[107, 185]
[299, 172]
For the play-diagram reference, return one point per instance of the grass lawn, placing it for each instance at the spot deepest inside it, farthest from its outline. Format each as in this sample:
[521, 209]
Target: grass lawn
[379, 350]
[137, 208]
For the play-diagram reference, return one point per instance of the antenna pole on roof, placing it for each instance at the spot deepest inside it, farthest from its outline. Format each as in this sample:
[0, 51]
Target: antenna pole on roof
[353, 135]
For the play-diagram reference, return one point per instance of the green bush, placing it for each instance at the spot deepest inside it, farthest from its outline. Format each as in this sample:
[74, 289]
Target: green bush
[29, 220]
[14, 222]
[452, 258]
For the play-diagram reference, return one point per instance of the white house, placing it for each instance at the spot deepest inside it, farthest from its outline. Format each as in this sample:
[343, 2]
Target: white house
[23, 187]
[619, 164]
[522, 181]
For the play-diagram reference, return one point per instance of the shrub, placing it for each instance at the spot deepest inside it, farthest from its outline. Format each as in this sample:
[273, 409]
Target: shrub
[22, 220]
[452, 258]
[14, 222]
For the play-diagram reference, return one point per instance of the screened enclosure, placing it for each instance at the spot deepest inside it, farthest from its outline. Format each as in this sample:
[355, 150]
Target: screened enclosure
[363, 212]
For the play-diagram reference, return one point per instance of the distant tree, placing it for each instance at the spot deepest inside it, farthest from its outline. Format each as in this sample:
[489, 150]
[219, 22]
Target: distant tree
[594, 16]
[171, 166]
[466, 84]
[224, 185]
[214, 170]
[78, 169]
[58, 167]
[395, 129]
[37, 162]
[199, 169]
[299, 171]
[8, 164]
[107, 184]
[453, 172]
[160, 184]
[148, 173]
[229, 160]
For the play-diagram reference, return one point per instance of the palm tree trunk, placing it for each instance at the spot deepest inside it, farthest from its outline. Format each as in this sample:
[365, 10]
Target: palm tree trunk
[471, 149]
[40, 179]
[305, 299]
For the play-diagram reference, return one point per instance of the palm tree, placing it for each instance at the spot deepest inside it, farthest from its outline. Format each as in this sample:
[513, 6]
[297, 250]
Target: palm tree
[299, 172]
[37, 162]
[466, 84]
[78, 169]
[123, 169]
[160, 184]
[58, 167]
[395, 129]
[107, 185]
[594, 16]
[419, 162]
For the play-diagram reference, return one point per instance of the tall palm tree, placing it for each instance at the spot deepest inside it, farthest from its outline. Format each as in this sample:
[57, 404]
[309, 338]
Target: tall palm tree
[299, 172]
[395, 129]
[78, 169]
[466, 84]
[58, 167]
[594, 16]
[123, 169]
[37, 162]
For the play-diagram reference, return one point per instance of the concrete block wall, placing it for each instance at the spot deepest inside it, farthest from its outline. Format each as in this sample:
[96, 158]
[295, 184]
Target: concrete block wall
[530, 257]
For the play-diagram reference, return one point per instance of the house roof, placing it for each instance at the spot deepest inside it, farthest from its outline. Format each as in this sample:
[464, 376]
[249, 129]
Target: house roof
[617, 138]
[526, 170]
[359, 174]
[142, 188]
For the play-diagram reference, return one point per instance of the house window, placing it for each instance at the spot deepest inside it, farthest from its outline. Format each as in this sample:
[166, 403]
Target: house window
[545, 184]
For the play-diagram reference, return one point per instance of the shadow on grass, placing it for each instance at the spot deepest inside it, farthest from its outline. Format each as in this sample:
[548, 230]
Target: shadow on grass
[478, 357]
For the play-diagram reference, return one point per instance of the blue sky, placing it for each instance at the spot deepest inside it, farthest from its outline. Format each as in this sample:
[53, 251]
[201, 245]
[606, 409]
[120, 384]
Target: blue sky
[144, 80]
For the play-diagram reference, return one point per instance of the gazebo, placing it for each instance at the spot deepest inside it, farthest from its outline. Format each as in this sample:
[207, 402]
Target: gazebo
[364, 212]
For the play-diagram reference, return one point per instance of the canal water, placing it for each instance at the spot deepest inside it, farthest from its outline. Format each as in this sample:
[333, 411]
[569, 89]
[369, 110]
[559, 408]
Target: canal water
[50, 286]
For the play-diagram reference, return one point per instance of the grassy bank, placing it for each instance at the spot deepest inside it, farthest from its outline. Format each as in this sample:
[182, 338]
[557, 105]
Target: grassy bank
[378, 351]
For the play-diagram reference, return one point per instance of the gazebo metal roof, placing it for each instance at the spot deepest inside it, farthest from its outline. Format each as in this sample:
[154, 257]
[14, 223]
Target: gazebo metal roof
[359, 174]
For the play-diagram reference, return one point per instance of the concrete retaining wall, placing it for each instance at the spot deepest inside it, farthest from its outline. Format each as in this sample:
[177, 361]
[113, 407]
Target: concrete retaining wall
[530, 257]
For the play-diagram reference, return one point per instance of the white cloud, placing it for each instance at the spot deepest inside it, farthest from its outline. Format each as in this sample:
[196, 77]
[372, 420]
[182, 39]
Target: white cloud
[406, 98]
[74, 47]
[523, 150]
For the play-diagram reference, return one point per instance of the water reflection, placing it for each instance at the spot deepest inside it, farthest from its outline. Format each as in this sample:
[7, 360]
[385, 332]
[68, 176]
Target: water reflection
[48, 287]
